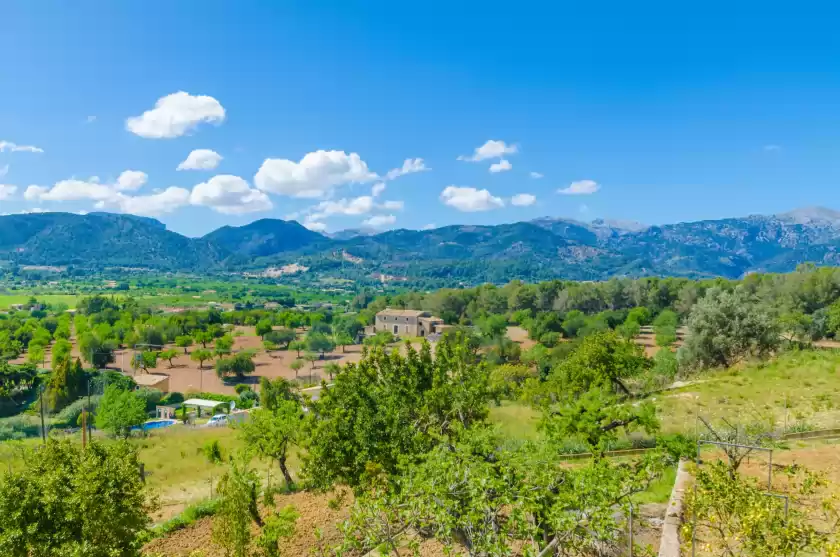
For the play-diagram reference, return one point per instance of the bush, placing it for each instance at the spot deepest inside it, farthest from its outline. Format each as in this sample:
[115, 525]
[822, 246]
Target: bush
[213, 452]
[19, 427]
[69, 416]
[241, 388]
[152, 397]
[102, 379]
[172, 398]
[190, 515]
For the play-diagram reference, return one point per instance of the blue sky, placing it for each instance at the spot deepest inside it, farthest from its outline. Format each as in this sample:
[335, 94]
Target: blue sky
[656, 112]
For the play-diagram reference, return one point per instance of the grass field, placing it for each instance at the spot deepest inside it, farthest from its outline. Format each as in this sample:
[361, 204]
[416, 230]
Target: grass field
[7, 300]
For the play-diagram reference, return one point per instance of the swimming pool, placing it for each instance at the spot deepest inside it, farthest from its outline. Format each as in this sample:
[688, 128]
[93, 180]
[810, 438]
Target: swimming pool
[157, 424]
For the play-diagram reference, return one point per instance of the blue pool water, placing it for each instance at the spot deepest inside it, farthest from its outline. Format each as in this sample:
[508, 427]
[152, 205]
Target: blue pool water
[157, 424]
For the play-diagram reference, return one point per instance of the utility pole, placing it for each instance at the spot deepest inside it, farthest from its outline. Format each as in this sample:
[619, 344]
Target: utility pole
[89, 424]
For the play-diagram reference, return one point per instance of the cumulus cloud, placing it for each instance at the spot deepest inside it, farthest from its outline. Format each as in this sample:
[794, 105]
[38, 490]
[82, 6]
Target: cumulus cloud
[314, 225]
[536, 175]
[380, 221]
[377, 189]
[7, 191]
[90, 119]
[131, 180]
[230, 195]
[581, 187]
[430, 226]
[493, 149]
[410, 166]
[74, 190]
[357, 206]
[772, 147]
[501, 166]
[470, 200]
[523, 199]
[201, 159]
[15, 148]
[314, 176]
[175, 115]
[34, 192]
[393, 205]
[166, 201]
[4, 170]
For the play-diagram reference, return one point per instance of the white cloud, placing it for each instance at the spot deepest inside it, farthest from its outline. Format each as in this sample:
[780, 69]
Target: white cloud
[90, 119]
[377, 189]
[410, 166]
[470, 199]
[131, 180]
[74, 190]
[501, 166]
[166, 201]
[393, 205]
[4, 170]
[14, 147]
[430, 226]
[536, 175]
[493, 149]
[7, 191]
[357, 206]
[581, 187]
[175, 115]
[314, 176]
[314, 225]
[34, 192]
[201, 159]
[380, 221]
[772, 147]
[523, 199]
[230, 195]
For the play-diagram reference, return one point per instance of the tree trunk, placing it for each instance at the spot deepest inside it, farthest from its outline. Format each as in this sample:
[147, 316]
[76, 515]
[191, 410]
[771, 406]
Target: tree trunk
[286, 475]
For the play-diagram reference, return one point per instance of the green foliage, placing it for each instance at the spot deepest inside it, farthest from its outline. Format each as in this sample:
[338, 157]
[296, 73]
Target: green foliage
[271, 433]
[278, 525]
[726, 327]
[506, 380]
[237, 365]
[297, 365]
[168, 355]
[201, 356]
[388, 406]
[280, 337]
[238, 491]
[381, 338]
[67, 382]
[343, 338]
[183, 341]
[213, 452]
[263, 327]
[738, 518]
[319, 342]
[223, 345]
[69, 501]
[120, 411]
[96, 351]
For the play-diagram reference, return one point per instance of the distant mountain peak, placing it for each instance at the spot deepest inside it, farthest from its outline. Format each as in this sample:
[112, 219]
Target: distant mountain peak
[811, 215]
[619, 224]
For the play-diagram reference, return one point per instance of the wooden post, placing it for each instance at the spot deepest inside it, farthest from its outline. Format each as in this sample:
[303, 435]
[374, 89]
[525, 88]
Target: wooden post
[84, 428]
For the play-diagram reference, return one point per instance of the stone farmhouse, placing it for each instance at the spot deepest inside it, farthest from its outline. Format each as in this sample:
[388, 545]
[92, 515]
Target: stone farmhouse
[407, 322]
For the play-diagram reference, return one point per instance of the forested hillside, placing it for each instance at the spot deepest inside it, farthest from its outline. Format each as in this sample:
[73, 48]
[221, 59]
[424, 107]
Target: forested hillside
[453, 255]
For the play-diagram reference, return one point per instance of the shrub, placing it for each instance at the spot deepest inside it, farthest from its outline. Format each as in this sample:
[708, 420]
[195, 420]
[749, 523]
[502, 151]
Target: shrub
[19, 427]
[172, 398]
[241, 388]
[69, 416]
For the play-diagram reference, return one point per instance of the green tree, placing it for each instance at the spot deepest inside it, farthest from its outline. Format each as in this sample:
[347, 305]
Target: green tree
[297, 346]
[238, 365]
[96, 351]
[263, 327]
[36, 355]
[201, 356]
[272, 433]
[238, 492]
[146, 360]
[64, 500]
[169, 355]
[67, 382]
[319, 342]
[343, 339]
[203, 338]
[280, 337]
[333, 369]
[311, 358]
[296, 365]
[389, 406]
[183, 341]
[119, 411]
[223, 345]
[726, 327]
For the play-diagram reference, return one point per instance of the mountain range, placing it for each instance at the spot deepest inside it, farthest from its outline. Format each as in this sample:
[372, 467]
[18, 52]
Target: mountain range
[536, 250]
